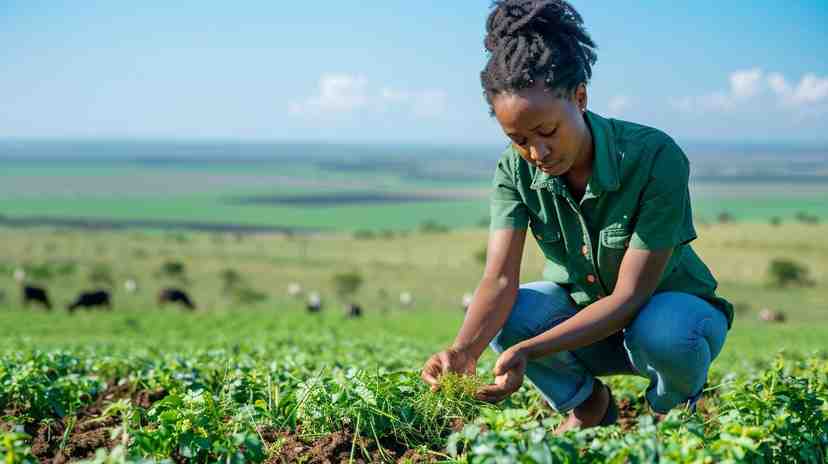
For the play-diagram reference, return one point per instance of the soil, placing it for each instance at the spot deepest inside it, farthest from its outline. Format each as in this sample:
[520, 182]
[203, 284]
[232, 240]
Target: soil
[90, 429]
[336, 448]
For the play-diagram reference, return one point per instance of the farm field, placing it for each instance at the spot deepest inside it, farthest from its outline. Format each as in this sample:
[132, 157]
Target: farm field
[251, 377]
[277, 187]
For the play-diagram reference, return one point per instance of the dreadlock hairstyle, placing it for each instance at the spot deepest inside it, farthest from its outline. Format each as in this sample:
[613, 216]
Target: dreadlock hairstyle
[528, 40]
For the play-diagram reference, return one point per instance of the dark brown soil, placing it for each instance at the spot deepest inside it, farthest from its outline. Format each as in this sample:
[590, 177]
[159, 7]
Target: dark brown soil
[336, 448]
[88, 430]
[627, 414]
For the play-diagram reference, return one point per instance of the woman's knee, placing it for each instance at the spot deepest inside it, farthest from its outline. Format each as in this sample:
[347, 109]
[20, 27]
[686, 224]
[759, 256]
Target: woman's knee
[678, 332]
[538, 306]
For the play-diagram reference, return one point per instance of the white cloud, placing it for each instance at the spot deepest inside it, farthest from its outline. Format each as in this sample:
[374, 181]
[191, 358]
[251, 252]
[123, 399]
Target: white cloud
[748, 91]
[810, 90]
[618, 104]
[338, 93]
[344, 94]
[746, 84]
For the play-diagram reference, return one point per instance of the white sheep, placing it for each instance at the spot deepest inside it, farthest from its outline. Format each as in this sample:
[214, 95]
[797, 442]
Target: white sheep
[131, 286]
[467, 299]
[19, 275]
[406, 299]
[294, 289]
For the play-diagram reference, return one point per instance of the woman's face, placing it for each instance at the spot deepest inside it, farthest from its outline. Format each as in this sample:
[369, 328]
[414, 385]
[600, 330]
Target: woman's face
[548, 130]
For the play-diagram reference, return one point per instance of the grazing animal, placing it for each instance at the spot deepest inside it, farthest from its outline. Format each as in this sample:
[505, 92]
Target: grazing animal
[353, 310]
[406, 299]
[467, 299]
[174, 295]
[35, 294]
[131, 286]
[19, 275]
[294, 289]
[314, 304]
[769, 315]
[97, 298]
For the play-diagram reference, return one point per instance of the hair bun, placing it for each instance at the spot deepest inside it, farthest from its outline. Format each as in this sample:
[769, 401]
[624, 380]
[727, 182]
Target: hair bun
[515, 18]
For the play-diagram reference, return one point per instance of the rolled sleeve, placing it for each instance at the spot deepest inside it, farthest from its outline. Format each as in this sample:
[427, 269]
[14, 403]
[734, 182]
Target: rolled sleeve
[506, 206]
[665, 218]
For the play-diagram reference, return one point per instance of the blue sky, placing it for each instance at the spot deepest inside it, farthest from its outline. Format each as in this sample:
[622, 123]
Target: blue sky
[381, 71]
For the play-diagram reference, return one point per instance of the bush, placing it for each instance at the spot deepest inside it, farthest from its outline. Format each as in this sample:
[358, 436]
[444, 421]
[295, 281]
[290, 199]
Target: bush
[231, 278]
[775, 221]
[364, 234]
[172, 269]
[724, 217]
[806, 218]
[784, 272]
[347, 283]
[433, 227]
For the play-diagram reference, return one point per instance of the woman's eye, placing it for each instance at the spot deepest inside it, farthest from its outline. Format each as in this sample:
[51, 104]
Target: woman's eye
[548, 134]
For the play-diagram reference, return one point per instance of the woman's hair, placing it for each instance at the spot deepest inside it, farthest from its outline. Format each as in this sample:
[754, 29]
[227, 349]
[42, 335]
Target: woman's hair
[529, 40]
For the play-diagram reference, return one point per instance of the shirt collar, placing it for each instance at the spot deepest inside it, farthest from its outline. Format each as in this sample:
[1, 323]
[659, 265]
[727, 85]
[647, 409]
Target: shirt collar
[604, 169]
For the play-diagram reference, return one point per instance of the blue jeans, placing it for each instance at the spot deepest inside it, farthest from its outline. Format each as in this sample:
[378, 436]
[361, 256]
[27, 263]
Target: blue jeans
[672, 341]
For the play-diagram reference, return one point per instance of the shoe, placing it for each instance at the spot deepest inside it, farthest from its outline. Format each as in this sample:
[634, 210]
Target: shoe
[611, 416]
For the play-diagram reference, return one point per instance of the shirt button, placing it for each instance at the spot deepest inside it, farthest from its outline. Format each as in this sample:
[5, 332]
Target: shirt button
[590, 278]
[584, 250]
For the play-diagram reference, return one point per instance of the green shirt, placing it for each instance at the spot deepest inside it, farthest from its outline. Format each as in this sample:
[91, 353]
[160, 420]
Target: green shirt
[637, 197]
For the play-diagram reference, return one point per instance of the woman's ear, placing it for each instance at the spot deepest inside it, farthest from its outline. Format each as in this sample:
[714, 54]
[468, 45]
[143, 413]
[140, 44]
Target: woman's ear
[581, 97]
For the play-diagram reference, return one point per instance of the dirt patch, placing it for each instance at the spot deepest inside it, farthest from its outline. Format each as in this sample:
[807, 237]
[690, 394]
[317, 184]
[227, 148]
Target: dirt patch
[336, 447]
[78, 437]
[628, 413]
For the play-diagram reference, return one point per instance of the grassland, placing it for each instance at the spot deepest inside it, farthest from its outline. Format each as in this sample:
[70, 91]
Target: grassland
[224, 192]
[249, 381]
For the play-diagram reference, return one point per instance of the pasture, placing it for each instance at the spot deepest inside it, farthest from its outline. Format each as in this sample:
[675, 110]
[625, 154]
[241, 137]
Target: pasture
[338, 188]
[250, 376]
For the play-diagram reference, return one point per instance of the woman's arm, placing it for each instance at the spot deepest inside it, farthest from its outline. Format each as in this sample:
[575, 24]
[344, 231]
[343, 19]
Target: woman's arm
[638, 277]
[496, 294]
[488, 310]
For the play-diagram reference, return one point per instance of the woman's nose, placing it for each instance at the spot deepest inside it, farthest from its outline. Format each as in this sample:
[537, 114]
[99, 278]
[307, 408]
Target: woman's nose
[539, 152]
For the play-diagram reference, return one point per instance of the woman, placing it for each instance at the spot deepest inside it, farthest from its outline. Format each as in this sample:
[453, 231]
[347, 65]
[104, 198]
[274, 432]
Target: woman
[609, 205]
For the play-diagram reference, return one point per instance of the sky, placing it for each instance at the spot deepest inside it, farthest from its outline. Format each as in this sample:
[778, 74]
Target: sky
[395, 70]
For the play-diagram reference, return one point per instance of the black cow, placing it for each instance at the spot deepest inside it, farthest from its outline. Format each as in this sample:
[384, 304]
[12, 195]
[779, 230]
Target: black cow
[174, 295]
[35, 294]
[97, 298]
[353, 310]
[314, 303]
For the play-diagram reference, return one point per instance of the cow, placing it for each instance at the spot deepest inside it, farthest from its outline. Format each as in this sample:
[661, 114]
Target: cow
[174, 295]
[35, 294]
[314, 304]
[93, 299]
[353, 310]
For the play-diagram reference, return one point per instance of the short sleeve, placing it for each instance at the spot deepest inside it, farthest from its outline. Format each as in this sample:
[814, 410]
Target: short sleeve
[506, 206]
[665, 218]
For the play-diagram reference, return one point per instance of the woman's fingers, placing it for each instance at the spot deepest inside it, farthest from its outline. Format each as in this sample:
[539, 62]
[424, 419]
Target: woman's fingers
[431, 371]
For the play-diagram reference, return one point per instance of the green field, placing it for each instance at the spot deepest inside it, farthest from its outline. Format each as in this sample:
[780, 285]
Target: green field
[212, 192]
[258, 379]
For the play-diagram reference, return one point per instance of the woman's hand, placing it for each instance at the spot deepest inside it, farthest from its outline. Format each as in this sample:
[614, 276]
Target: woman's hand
[450, 360]
[509, 370]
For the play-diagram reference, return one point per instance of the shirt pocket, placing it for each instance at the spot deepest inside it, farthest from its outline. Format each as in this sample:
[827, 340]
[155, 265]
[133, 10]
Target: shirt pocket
[613, 243]
[550, 240]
